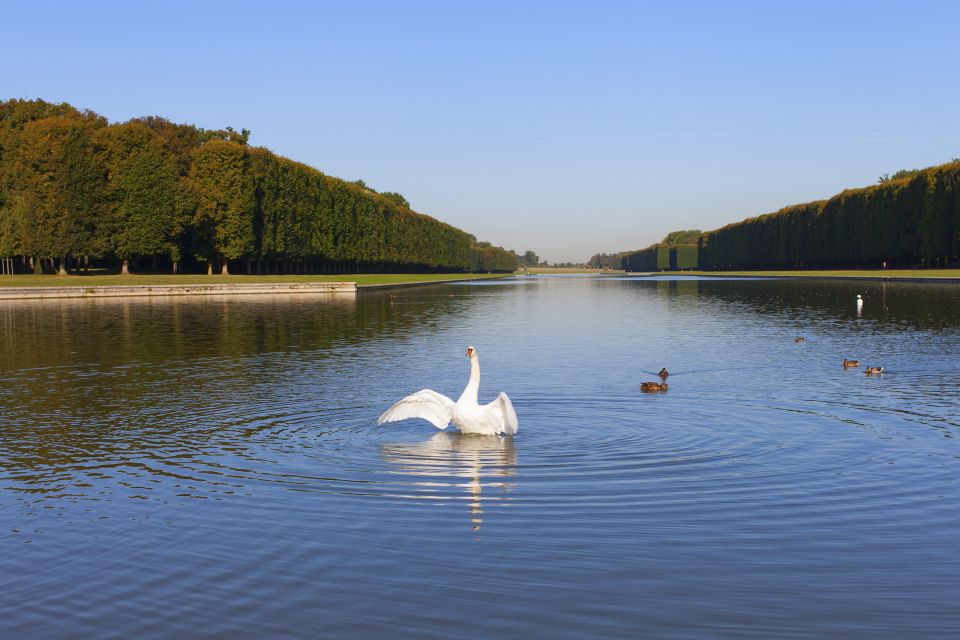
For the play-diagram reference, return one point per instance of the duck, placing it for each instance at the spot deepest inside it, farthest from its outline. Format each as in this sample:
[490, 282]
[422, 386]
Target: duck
[663, 373]
[653, 386]
[850, 363]
[466, 414]
[799, 339]
[872, 371]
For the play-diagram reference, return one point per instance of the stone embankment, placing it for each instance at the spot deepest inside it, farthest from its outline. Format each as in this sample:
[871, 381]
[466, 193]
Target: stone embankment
[19, 293]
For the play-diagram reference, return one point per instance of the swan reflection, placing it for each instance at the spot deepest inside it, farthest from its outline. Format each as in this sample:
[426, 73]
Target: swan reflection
[470, 462]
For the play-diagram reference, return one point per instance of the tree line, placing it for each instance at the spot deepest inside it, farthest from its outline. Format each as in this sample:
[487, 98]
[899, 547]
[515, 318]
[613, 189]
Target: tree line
[79, 192]
[909, 219]
[678, 250]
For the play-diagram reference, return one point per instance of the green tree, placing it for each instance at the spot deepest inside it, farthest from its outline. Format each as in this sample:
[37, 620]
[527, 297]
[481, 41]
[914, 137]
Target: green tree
[142, 188]
[682, 237]
[396, 198]
[223, 185]
[528, 259]
[58, 190]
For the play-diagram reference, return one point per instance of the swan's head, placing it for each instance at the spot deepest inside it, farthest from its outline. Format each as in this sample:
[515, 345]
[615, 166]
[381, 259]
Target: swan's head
[471, 352]
[858, 297]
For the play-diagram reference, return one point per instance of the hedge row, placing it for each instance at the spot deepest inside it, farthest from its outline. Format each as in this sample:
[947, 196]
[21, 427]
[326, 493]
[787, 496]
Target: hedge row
[75, 189]
[910, 222]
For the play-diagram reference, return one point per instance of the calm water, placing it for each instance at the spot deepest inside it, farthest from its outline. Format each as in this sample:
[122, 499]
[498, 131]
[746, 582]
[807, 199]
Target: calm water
[213, 468]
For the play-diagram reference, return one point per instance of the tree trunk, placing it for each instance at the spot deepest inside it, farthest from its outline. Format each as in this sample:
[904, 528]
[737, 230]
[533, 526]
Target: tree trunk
[63, 267]
[209, 267]
[175, 267]
[35, 265]
[224, 270]
[124, 267]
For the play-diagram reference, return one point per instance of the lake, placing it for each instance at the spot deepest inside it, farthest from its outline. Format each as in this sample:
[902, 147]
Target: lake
[213, 467]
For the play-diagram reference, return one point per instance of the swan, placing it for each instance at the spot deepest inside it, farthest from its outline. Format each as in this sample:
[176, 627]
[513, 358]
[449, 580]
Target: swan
[466, 413]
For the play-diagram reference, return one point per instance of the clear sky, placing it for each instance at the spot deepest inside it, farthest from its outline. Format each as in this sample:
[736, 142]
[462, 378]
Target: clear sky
[563, 127]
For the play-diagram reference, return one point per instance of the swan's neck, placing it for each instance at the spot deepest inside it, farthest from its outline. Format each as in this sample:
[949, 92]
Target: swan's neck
[473, 385]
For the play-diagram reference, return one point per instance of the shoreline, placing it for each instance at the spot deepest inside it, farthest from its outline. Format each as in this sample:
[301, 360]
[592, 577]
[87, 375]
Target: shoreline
[166, 290]
[419, 283]
[89, 291]
[950, 276]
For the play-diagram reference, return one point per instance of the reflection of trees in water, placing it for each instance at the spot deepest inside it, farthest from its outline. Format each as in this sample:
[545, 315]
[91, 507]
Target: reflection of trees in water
[115, 378]
[475, 463]
[919, 305]
[122, 330]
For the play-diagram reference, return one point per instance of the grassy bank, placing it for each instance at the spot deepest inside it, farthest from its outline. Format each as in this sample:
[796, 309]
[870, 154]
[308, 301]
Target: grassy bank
[364, 279]
[551, 270]
[893, 274]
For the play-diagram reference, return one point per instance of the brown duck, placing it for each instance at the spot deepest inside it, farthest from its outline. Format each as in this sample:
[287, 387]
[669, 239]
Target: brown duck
[873, 371]
[663, 373]
[653, 386]
[850, 363]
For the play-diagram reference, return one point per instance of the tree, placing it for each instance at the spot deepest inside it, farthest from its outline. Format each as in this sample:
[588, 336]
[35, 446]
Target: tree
[142, 189]
[682, 237]
[528, 259]
[899, 175]
[226, 135]
[396, 198]
[58, 190]
[225, 201]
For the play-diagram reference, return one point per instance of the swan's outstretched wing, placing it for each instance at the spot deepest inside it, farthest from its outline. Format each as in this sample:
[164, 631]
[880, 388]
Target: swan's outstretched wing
[509, 423]
[433, 407]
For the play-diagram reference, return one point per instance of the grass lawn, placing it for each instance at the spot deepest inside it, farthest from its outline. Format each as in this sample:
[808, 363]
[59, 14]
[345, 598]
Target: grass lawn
[363, 279]
[549, 270]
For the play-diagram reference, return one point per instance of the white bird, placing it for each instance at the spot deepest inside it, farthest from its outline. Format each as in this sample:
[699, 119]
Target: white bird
[466, 413]
[859, 304]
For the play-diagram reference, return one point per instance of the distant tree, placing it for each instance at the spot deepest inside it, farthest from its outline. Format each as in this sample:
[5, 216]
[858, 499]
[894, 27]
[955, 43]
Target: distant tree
[395, 197]
[899, 175]
[599, 261]
[527, 258]
[226, 135]
[363, 185]
[682, 237]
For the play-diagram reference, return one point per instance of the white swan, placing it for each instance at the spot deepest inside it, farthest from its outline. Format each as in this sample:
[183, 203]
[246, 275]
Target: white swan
[466, 413]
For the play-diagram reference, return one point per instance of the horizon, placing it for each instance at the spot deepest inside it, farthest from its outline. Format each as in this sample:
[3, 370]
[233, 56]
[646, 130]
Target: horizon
[569, 132]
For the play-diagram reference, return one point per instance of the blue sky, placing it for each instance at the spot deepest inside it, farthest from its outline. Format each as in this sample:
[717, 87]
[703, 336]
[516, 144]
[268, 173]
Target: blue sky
[563, 127]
